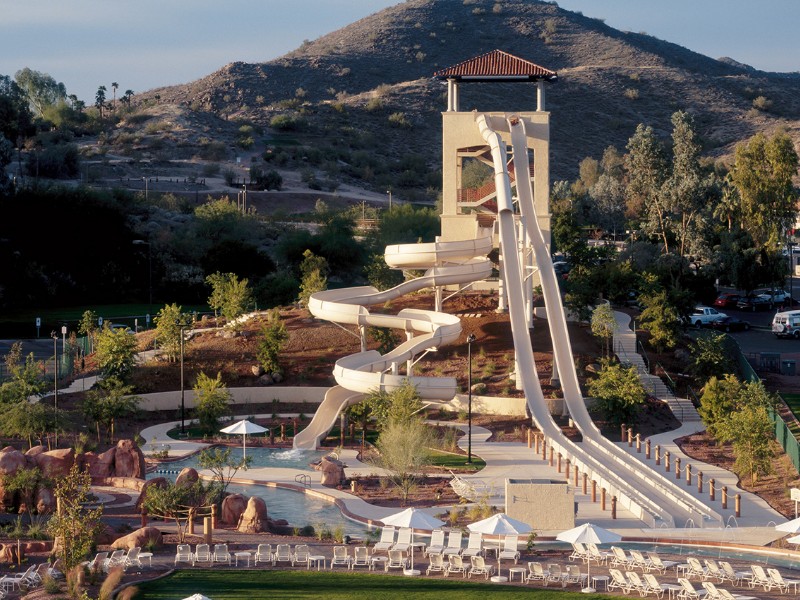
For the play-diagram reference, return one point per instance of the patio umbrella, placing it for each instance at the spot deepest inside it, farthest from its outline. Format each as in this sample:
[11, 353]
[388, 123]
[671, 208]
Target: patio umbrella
[415, 519]
[197, 597]
[588, 533]
[792, 526]
[242, 428]
[500, 524]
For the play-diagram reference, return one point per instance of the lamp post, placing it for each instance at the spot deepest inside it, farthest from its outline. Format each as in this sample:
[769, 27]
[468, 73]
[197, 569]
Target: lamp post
[470, 339]
[791, 246]
[149, 268]
[145, 188]
[390, 198]
[244, 199]
[54, 335]
[182, 399]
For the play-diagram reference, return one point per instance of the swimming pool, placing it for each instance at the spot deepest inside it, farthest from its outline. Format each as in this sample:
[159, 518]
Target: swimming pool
[296, 508]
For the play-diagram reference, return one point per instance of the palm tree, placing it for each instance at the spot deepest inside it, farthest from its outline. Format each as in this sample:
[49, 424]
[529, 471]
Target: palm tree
[114, 86]
[100, 99]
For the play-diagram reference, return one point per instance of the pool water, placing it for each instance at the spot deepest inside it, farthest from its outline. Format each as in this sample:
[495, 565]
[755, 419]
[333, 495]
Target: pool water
[296, 508]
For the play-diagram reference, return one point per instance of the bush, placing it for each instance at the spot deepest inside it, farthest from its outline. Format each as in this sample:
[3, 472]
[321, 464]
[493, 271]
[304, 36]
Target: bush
[286, 123]
[399, 119]
[761, 103]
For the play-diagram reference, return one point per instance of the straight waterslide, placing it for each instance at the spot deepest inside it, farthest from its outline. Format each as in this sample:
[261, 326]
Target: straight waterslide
[456, 262]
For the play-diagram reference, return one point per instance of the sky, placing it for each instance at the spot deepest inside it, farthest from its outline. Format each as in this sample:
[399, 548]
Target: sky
[144, 44]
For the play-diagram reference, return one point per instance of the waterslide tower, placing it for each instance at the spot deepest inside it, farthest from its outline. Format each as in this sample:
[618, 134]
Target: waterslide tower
[472, 212]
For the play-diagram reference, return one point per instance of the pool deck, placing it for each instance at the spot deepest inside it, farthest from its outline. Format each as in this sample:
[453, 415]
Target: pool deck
[506, 460]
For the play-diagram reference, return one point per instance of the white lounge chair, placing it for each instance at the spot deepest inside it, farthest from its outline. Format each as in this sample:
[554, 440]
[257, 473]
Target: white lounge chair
[640, 561]
[132, 558]
[688, 591]
[782, 584]
[556, 574]
[579, 552]
[601, 557]
[636, 582]
[283, 553]
[436, 564]
[183, 553]
[760, 577]
[455, 564]
[536, 572]
[202, 553]
[341, 557]
[727, 595]
[403, 542]
[657, 564]
[696, 569]
[98, 562]
[654, 586]
[386, 541]
[437, 542]
[360, 557]
[574, 575]
[396, 560]
[300, 555]
[510, 550]
[620, 559]
[474, 545]
[116, 559]
[453, 544]
[618, 581]
[478, 566]
[221, 554]
[264, 554]
[714, 570]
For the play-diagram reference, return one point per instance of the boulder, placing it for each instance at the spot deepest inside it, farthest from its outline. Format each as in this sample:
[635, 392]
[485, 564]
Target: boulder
[187, 477]
[232, 508]
[145, 536]
[105, 536]
[36, 450]
[11, 460]
[254, 518]
[257, 370]
[55, 463]
[45, 501]
[101, 465]
[129, 460]
[160, 482]
[8, 553]
[332, 471]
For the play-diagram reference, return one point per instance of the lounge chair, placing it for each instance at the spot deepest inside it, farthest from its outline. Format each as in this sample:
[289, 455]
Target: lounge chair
[636, 582]
[660, 565]
[386, 541]
[41, 572]
[640, 561]
[760, 577]
[116, 559]
[727, 595]
[437, 542]
[714, 571]
[455, 564]
[183, 553]
[478, 566]
[341, 557]
[17, 580]
[202, 553]
[596, 555]
[696, 569]
[618, 581]
[396, 560]
[453, 544]
[556, 575]
[283, 553]
[654, 586]
[403, 542]
[579, 552]
[620, 559]
[510, 549]
[574, 575]
[97, 563]
[360, 558]
[737, 577]
[782, 584]
[132, 558]
[474, 545]
[221, 554]
[300, 555]
[688, 591]
[436, 564]
[264, 554]
[536, 572]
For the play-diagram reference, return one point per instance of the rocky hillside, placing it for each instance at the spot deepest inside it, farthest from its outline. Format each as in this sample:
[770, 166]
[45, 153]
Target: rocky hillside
[368, 87]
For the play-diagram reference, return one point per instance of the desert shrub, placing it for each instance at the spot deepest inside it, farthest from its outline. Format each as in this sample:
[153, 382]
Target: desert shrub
[286, 123]
[213, 151]
[399, 119]
[762, 103]
[632, 94]
[158, 126]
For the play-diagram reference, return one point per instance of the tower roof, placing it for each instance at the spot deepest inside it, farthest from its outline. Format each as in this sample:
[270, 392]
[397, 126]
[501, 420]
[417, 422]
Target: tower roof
[496, 66]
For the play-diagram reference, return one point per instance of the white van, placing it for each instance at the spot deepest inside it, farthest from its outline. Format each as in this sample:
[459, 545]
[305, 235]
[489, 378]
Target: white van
[787, 324]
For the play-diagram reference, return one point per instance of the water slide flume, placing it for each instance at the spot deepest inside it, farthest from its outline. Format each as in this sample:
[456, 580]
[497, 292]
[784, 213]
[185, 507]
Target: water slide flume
[447, 263]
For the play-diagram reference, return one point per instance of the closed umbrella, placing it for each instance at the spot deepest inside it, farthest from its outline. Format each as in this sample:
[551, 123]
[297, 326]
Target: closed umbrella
[500, 524]
[415, 519]
[585, 534]
[242, 428]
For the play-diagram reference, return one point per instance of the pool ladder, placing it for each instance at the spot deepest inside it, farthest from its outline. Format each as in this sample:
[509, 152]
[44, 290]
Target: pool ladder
[303, 479]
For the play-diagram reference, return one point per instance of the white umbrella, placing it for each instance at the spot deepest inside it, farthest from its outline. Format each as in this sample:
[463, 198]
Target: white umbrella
[415, 519]
[588, 533]
[242, 428]
[794, 539]
[500, 524]
[792, 526]
[197, 597]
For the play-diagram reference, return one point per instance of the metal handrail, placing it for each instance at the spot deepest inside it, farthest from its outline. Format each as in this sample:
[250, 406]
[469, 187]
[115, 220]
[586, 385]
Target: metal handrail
[643, 354]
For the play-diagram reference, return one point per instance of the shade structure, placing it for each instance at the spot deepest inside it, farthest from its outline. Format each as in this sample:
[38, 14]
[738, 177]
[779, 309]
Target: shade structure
[792, 526]
[242, 428]
[415, 519]
[585, 534]
[197, 597]
[500, 524]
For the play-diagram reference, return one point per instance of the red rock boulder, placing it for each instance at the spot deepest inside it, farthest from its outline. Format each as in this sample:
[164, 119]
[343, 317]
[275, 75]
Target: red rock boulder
[254, 518]
[12, 460]
[100, 465]
[129, 460]
[139, 538]
[45, 501]
[232, 508]
[55, 463]
[187, 477]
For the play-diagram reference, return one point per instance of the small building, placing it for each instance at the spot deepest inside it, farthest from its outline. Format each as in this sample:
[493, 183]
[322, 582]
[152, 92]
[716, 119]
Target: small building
[543, 503]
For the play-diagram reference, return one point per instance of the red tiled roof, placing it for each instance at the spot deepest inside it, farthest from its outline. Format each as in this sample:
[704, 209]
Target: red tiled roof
[496, 66]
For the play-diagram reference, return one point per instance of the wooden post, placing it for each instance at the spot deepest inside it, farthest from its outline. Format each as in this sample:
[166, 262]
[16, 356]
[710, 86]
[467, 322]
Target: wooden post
[191, 522]
[622, 432]
[689, 474]
[283, 432]
[544, 448]
[594, 491]
[585, 481]
[530, 437]
[700, 481]
[712, 492]
[213, 516]
[678, 468]
[208, 530]
[536, 444]
[559, 462]
[630, 437]
[647, 449]
[143, 521]
[658, 455]
[551, 456]
[271, 436]
[566, 469]
[737, 504]
[602, 499]
[576, 477]
[638, 443]
[613, 507]
[666, 461]
[724, 496]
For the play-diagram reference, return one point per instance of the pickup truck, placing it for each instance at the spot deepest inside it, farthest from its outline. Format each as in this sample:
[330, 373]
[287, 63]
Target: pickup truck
[704, 316]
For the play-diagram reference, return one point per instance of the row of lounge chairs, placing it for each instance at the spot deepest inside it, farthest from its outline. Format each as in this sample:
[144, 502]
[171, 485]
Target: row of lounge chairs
[446, 543]
[103, 561]
[30, 578]
[203, 554]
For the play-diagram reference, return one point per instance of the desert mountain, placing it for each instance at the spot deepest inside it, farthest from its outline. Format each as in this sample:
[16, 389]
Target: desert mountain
[368, 87]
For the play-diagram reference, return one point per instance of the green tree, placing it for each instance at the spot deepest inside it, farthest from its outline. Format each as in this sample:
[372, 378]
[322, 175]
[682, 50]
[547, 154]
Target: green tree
[400, 405]
[29, 421]
[230, 295]
[88, 324]
[74, 526]
[114, 86]
[719, 399]
[710, 357]
[314, 276]
[179, 503]
[646, 167]
[380, 275]
[116, 352]
[223, 467]
[385, 337]
[750, 431]
[100, 99]
[273, 338]
[109, 401]
[618, 391]
[24, 380]
[762, 173]
[661, 319]
[212, 397]
[169, 322]
[41, 89]
[404, 451]
[604, 324]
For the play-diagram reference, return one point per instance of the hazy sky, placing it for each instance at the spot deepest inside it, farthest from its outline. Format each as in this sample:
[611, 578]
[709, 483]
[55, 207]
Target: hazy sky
[144, 44]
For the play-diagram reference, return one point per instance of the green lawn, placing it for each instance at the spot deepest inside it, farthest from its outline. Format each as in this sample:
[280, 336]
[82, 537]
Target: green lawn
[793, 402]
[255, 584]
[447, 460]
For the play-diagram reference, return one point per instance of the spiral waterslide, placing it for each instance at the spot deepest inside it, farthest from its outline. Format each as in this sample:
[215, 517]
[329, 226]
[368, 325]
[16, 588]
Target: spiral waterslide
[447, 263]
[644, 492]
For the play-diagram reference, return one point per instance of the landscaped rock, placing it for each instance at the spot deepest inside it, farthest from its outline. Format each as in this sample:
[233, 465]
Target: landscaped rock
[254, 518]
[332, 471]
[55, 463]
[100, 465]
[257, 370]
[8, 553]
[139, 538]
[11, 460]
[129, 460]
[159, 482]
[232, 508]
[187, 477]
[36, 450]
[45, 501]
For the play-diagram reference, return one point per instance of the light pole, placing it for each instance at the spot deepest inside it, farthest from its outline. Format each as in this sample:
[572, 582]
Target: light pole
[149, 268]
[791, 246]
[182, 402]
[390, 198]
[54, 335]
[470, 339]
[244, 199]
[145, 188]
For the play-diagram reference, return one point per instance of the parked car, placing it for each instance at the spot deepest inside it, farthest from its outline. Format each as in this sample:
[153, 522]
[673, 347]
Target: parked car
[755, 302]
[779, 297]
[727, 300]
[728, 324]
[704, 316]
[786, 324]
